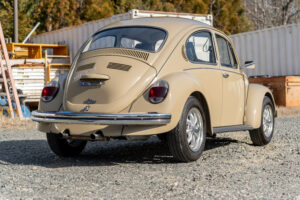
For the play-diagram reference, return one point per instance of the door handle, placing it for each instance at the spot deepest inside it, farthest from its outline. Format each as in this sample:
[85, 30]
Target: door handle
[225, 75]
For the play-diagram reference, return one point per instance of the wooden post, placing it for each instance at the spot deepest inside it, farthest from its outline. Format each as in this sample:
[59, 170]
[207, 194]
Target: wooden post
[47, 68]
[8, 67]
[16, 22]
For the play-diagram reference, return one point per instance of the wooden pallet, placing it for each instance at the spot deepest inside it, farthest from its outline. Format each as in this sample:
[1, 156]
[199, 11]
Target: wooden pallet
[50, 66]
[286, 89]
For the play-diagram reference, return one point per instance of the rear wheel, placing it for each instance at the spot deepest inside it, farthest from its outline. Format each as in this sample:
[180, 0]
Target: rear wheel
[162, 137]
[186, 142]
[264, 133]
[65, 147]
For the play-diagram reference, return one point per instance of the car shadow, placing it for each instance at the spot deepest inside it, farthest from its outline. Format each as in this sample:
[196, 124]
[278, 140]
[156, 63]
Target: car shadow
[37, 152]
[212, 143]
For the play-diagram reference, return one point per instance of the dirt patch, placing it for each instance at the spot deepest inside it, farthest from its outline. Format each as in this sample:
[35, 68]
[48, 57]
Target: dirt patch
[288, 111]
[16, 123]
[229, 168]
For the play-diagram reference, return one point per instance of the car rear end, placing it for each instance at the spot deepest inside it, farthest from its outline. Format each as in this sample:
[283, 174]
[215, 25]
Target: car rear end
[112, 69]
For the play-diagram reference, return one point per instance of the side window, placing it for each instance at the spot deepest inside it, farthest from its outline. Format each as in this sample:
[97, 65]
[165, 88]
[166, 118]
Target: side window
[199, 48]
[227, 57]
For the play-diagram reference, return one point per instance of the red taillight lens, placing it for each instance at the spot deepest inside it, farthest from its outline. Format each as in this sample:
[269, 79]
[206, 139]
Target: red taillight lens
[158, 92]
[50, 91]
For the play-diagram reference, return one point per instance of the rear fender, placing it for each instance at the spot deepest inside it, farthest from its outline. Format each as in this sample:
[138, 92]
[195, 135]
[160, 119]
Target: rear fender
[56, 103]
[255, 97]
[181, 86]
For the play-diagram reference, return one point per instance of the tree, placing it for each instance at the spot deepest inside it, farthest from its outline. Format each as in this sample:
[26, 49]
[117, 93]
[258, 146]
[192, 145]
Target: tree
[266, 14]
[229, 16]
[25, 21]
[95, 9]
[55, 14]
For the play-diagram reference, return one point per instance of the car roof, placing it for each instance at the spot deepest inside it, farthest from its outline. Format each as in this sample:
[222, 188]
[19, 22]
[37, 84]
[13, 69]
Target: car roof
[170, 24]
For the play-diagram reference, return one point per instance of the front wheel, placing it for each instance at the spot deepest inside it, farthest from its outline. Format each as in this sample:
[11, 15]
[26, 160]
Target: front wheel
[65, 147]
[186, 142]
[264, 133]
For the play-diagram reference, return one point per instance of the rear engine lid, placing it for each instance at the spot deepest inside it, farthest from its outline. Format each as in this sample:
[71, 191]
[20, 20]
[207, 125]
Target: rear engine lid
[102, 83]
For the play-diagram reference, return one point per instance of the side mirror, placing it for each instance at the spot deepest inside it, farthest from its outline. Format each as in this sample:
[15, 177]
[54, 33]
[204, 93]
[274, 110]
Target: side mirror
[249, 65]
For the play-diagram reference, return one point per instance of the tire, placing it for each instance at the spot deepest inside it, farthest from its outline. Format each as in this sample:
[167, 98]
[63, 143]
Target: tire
[63, 147]
[264, 133]
[162, 137]
[184, 145]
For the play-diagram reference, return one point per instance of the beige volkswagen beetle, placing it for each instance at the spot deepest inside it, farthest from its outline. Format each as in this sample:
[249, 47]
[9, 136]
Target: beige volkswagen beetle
[176, 78]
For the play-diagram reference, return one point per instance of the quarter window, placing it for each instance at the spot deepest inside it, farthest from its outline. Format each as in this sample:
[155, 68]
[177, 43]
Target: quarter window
[227, 57]
[232, 56]
[200, 49]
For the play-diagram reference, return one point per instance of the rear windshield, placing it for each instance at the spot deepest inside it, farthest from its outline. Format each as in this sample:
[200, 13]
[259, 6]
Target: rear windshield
[141, 38]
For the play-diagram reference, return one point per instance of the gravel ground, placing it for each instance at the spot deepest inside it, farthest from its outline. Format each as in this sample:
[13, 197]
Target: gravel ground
[230, 168]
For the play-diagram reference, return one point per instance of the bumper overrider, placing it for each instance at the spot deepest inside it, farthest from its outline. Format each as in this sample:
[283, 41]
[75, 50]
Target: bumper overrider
[67, 117]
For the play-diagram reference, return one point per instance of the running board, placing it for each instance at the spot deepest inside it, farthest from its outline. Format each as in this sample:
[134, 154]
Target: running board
[232, 128]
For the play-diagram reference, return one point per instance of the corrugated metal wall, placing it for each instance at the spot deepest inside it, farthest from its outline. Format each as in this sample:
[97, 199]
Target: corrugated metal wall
[75, 36]
[276, 51]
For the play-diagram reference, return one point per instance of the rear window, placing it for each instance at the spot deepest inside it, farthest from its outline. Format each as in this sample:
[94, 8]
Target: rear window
[141, 38]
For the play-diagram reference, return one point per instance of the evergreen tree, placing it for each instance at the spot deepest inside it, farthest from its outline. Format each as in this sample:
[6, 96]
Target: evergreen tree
[95, 9]
[55, 14]
[229, 16]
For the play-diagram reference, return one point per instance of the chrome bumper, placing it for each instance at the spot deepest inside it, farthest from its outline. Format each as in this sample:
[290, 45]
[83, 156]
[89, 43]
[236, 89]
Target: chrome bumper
[101, 119]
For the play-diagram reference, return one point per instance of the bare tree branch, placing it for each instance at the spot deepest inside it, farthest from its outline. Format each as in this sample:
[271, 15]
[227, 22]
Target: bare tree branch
[265, 14]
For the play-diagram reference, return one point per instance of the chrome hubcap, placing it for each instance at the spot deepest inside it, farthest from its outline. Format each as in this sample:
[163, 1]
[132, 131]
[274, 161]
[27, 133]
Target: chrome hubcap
[268, 120]
[194, 129]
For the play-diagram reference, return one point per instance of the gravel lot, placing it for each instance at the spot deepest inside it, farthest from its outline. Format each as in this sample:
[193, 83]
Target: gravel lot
[230, 168]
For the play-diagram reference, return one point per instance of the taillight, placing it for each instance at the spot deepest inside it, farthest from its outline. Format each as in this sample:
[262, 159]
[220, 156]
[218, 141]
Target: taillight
[158, 91]
[50, 91]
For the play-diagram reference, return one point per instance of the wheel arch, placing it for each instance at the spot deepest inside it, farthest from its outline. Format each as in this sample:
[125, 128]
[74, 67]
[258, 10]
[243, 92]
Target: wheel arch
[253, 108]
[269, 94]
[173, 103]
[203, 102]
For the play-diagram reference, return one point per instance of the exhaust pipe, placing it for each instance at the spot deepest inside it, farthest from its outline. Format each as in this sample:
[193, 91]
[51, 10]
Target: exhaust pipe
[65, 134]
[98, 135]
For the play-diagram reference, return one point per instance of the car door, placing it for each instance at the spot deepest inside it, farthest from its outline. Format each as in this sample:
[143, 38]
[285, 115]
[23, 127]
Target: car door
[233, 84]
[201, 53]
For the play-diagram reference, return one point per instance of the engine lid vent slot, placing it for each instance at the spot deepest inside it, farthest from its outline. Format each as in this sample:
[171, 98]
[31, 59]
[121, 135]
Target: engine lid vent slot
[118, 66]
[117, 51]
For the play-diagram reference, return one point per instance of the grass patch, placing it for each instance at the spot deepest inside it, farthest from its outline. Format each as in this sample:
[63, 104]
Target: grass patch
[16, 123]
